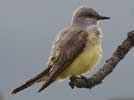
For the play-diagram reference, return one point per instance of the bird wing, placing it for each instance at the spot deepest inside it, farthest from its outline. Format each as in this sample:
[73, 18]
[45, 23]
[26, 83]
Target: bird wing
[69, 44]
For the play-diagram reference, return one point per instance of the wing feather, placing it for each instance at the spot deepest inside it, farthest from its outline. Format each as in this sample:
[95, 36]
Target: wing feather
[69, 44]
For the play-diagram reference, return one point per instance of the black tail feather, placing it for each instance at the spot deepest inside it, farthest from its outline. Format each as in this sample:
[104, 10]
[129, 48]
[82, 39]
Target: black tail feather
[45, 85]
[31, 81]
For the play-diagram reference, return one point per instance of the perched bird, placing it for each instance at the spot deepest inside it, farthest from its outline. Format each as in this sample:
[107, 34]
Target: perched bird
[76, 50]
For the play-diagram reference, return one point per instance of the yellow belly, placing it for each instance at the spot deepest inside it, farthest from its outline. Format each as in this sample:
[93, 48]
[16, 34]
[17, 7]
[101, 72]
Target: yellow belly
[90, 56]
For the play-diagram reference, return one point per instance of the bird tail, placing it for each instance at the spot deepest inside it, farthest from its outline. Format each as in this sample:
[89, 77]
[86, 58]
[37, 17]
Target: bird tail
[32, 81]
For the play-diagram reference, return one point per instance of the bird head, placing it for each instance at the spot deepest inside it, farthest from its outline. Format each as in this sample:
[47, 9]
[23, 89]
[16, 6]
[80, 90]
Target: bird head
[87, 15]
[87, 12]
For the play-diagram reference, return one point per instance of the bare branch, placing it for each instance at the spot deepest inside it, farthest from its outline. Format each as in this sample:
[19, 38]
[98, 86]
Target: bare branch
[108, 67]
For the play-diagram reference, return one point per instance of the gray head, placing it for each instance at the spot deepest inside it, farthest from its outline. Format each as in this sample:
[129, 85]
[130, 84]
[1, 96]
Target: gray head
[86, 16]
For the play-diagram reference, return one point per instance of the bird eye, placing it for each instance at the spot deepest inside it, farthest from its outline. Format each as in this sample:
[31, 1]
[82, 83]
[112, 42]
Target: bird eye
[87, 15]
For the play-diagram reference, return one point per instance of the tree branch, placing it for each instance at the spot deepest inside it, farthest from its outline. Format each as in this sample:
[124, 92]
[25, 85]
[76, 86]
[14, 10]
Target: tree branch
[108, 67]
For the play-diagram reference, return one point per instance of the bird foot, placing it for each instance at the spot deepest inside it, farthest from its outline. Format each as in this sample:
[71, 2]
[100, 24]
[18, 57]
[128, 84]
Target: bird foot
[78, 81]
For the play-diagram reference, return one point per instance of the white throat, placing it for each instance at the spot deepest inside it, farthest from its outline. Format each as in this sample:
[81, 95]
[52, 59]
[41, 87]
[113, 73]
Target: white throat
[95, 28]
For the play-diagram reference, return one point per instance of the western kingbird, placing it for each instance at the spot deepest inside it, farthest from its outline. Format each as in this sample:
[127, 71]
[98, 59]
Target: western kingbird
[77, 49]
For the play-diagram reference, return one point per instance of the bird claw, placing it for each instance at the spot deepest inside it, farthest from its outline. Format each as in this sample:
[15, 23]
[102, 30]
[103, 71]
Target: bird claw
[78, 81]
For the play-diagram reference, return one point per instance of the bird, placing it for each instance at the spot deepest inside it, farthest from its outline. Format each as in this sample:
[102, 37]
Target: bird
[76, 50]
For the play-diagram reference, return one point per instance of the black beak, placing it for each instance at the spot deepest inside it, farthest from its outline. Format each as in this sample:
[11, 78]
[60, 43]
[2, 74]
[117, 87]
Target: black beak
[103, 17]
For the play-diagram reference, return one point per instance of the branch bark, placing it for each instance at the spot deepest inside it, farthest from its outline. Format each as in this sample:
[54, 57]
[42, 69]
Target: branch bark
[108, 67]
